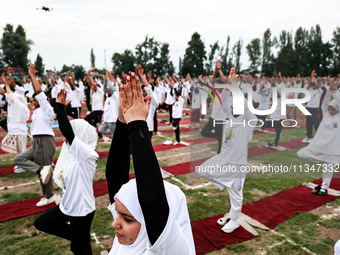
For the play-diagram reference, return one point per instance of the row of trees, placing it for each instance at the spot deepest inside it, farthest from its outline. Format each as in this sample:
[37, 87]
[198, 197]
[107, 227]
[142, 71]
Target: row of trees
[15, 48]
[301, 52]
[151, 54]
[289, 53]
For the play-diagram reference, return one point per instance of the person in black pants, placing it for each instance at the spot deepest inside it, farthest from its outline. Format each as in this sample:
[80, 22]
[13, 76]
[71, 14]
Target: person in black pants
[87, 94]
[75, 170]
[209, 130]
[278, 128]
[146, 209]
[95, 116]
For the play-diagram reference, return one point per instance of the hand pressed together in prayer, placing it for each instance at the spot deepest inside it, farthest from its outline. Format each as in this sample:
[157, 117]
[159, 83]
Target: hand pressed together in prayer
[132, 105]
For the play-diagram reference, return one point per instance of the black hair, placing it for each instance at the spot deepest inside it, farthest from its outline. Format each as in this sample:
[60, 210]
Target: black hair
[177, 93]
[35, 94]
[18, 83]
[12, 88]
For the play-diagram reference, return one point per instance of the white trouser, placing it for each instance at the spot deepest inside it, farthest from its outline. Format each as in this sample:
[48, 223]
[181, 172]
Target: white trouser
[327, 175]
[337, 248]
[327, 169]
[236, 198]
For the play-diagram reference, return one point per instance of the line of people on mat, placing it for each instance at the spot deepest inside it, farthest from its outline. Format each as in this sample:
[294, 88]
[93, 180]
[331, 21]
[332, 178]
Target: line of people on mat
[262, 88]
[101, 97]
[233, 139]
[150, 215]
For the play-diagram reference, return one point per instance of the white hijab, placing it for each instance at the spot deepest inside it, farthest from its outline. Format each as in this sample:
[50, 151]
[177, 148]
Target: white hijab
[335, 104]
[178, 208]
[87, 134]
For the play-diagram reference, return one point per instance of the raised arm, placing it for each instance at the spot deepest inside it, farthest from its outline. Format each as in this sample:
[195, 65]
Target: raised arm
[8, 85]
[118, 160]
[140, 73]
[51, 78]
[64, 123]
[10, 74]
[2, 80]
[150, 186]
[91, 82]
[36, 85]
[71, 80]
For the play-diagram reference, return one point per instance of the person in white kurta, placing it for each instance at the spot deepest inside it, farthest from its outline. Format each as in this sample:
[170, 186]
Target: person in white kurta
[227, 165]
[18, 114]
[74, 173]
[324, 148]
[147, 91]
[150, 215]
[110, 110]
[195, 113]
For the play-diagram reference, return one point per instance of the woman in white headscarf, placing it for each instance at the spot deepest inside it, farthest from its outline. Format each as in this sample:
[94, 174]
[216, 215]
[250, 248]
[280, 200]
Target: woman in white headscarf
[74, 173]
[150, 215]
[324, 147]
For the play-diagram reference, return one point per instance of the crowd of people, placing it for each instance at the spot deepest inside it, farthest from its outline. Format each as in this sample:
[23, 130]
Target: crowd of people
[150, 215]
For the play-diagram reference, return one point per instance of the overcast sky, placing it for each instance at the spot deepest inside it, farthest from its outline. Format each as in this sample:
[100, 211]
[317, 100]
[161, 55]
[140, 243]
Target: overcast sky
[67, 34]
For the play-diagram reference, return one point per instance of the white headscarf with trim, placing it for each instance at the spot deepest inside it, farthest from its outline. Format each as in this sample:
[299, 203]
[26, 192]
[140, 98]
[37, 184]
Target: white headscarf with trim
[127, 195]
[334, 104]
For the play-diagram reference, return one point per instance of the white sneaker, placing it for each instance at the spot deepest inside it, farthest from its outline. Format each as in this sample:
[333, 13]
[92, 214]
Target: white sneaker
[224, 220]
[45, 174]
[230, 226]
[175, 143]
[309, 140]
[18, 170]
[304, 140]
[167, 142]
[46, 201]
[57, 199]
[106, 139]
[167, 122]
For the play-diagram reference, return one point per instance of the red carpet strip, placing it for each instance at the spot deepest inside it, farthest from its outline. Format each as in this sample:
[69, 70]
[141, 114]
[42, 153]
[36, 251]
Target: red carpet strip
[269, 211]
[184, 168]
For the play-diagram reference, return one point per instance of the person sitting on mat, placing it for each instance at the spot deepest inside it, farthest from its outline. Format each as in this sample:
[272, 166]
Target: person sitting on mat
[150, 215]
[324, 148]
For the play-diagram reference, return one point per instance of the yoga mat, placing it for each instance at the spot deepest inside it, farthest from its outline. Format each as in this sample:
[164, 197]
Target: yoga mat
[208, 235]
[183, 167]
[273, 129]
[5, 170]
[280, 207]
[269, 211]
[181, 122]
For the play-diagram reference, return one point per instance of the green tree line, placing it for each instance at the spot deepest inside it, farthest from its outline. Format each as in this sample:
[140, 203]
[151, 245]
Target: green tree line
[289, 53]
